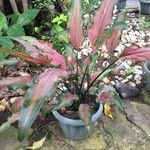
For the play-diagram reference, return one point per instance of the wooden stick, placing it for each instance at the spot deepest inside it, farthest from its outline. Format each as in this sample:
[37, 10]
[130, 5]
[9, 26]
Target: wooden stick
[24, 4]
[14, 6]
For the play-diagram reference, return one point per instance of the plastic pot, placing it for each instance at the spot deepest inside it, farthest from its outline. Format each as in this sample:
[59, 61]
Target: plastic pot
[146, 70]
[121, 4]
[145, 7]
[75, 129]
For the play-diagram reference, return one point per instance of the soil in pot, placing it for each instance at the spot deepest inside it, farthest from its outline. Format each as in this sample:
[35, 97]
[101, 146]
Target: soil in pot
[72, 112]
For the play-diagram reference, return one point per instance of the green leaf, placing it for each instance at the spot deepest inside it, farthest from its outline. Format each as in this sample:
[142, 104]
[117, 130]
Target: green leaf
[118, 101]
[63, 17]
[27, 16]
[103, 37]
[55, 20]
[28, 114]
[6, 42]
[8, 62]
[58, 28]
[3, 21]
[66, 99]
[120, 20]
[11, 120]
[15, 30]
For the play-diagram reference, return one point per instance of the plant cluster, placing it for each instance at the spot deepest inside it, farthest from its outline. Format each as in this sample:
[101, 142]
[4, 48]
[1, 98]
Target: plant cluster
[73, 79]
[13, 26]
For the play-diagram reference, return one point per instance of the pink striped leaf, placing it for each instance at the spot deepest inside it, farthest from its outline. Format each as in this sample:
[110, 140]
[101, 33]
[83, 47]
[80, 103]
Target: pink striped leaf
[35, 97]
[102, 18]
[137, 54]
[113, 41]
[46, 49]
[85, 114]
[15, 80]
[66, 99]
[75, 26]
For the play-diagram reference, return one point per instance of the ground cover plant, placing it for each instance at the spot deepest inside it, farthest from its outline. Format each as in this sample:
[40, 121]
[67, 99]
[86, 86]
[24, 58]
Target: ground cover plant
[77, 74]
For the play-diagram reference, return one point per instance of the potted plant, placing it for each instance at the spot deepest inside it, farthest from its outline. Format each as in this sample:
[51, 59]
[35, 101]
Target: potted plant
[71, 83]
[145, 7]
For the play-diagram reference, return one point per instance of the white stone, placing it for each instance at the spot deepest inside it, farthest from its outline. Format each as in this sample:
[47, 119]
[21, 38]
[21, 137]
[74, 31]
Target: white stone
[132, 84]
[130, 76]
[138, 82]
[125, 80]
[137, 78]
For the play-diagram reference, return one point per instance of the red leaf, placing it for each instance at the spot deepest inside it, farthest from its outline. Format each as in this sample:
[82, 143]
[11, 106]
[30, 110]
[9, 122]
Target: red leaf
[104, 96]
[137, 54]
[75, 33]
[113, 41]
[85, 114]
[101, 19]
[46, 82]
[40, 59]
[53, 55]
[15, 80]
[71, 59]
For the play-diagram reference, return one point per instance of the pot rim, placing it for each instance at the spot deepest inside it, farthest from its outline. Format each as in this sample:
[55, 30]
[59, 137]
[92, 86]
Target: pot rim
[146, 66]
[77, 122]
[145, 1]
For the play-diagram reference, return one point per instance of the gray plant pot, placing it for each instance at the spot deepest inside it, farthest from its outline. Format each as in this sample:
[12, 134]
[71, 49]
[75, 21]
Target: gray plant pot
[146, 70]
[145, 7]
[75, 129]
[121, 4]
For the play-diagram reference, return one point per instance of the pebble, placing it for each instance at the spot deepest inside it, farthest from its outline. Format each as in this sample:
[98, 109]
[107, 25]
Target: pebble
[126, 90]
[138, 82]
[125, 80]
[132, 84]
[137, 77]
[106, 80]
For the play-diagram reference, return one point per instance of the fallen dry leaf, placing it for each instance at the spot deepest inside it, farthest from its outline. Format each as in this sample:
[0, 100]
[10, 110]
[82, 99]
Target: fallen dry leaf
[37, 144]
[108, 110]
[3, 104]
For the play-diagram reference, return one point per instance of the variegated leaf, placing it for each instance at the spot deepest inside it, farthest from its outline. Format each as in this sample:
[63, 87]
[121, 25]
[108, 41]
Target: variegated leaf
[85, 113]
[66, 100]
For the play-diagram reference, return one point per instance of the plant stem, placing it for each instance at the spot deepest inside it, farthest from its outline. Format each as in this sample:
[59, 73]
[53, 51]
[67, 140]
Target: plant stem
[83, 79]
[90, 85]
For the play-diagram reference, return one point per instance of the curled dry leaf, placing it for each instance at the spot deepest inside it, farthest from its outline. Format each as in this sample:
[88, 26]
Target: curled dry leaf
[37, 144]
[3, 104]
[108, 110]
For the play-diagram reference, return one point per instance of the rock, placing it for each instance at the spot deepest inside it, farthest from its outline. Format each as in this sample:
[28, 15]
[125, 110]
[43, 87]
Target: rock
[59, 142]
[123, 66]
[126, 91]
[121, 134]
[8, 140]
[139, 114]
[137, 77]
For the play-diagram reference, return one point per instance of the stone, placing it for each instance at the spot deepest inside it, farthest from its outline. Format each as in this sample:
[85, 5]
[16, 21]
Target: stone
[121, 134]
[132, 84]
[58, 141]
[8, 140]
[126, 90]
[139, 114]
